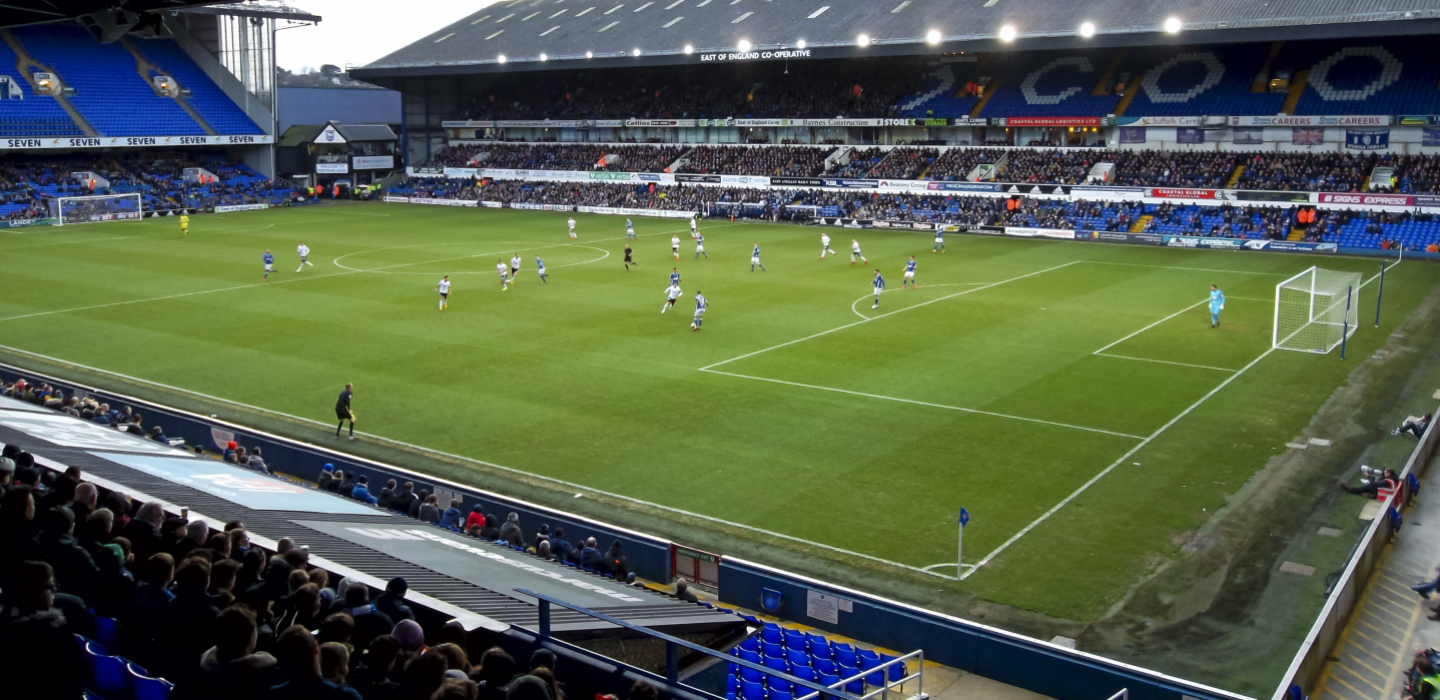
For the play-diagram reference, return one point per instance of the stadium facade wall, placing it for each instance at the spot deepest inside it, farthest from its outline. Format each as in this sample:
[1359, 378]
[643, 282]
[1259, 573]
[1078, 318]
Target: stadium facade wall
[344, 105]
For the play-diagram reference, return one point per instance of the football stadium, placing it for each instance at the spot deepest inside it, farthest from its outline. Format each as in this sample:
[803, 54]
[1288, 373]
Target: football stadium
[721, 350]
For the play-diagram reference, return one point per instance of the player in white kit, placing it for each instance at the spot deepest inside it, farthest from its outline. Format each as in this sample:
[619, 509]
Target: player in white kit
[514, 268]
[571, 221]
[675, 246]
[444, 289]
[502, 270]
[304, 251]
[855, 252]
[671, 294]
[825, 245]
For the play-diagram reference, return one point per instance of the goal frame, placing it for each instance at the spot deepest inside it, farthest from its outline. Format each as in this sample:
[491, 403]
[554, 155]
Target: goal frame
[1348, 324]
[57, 208]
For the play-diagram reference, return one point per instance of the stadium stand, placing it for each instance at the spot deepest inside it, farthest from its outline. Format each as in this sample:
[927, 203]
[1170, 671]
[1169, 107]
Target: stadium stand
[1200, 80]
[206, 98]
[34, 114]
[26, 181]
[109, 93]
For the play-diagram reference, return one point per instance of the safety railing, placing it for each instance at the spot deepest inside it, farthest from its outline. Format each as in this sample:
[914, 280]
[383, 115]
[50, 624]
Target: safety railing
[674, 647]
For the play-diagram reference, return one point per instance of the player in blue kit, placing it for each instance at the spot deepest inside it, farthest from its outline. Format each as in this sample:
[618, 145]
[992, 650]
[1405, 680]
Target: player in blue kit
[630, 229]
[675, 276]
[910, 274]
[1217, 304]
[755, 259]
[269, 259]
[879, 287]
[700, 246]
[540, 268]
[701, 303]
[939, 240]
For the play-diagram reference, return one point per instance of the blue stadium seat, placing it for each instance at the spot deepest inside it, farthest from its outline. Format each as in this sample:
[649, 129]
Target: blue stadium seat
[770, 599]
[750, 674]
[824, 665]
[206, 98]
[750, 655]
[107, 631]
[869, 660]
[857, 686]
[751, 690]
[112, 679]
[895, 672]
[844, 654]
[147, 688]
[750, 644]
[772, 648]
[777, 663]
[819, 646]
[772, 633]
[797, 657]
[805, 672]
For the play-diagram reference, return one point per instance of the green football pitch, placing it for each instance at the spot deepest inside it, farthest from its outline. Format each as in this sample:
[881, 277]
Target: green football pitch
[1071, 395]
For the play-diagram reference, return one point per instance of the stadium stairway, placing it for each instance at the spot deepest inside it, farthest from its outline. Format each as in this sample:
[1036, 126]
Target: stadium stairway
[148, 70]
[1297, 88]
[1262, 76]
[23, 60]
[1130, 91]
[1141, 223]
[990, 91]
[1388, 625]
[1296, 234]
[1235, 177]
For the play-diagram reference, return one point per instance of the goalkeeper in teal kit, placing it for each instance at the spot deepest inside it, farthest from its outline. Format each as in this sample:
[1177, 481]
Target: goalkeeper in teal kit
[1217, 304]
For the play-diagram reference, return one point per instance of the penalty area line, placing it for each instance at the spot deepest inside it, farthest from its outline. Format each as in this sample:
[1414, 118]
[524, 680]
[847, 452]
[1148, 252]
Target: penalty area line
[492, 465]
[1095, 479]
[926, 403]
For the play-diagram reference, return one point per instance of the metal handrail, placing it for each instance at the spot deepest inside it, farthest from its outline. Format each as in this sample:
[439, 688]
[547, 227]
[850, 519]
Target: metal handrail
[884, 689]
[673, 643]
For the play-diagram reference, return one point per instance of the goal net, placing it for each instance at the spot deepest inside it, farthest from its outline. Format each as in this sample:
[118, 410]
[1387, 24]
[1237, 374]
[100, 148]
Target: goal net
[1316, 310]
[93, 208]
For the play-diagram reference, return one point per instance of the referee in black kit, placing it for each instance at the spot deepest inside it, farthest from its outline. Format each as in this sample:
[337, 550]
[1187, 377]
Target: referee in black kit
[343, 412]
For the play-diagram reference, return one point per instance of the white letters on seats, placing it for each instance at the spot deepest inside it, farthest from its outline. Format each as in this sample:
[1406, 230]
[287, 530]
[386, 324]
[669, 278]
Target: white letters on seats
[1027, 88]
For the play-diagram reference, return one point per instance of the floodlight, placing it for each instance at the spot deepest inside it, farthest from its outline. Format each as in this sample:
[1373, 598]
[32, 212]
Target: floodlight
[933, 36]
[862, 40]
[1087, 30]
[800, 44]
[744, 46]
[1008, 33]
[502, 58]
[689, 49]
[1172, 24]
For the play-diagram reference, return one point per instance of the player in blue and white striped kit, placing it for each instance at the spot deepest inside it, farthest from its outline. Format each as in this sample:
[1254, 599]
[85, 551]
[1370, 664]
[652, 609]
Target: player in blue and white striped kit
[540, 268]
[700, 305]
[269, 259]
[630, 229]
[755, 259]
[1217, 304]
[700, 246]
[879, 287]
[910, 274]
[675, 276]
[939, 240]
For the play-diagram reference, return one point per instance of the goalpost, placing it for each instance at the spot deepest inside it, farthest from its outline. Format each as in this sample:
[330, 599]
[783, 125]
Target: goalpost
[94, 208]
[1316, 310]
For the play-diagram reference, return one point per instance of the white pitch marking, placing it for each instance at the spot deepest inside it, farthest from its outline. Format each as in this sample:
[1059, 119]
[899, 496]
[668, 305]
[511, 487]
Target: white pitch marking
[1142, 330]
[348, 271]
[1188, 269]
[926, 403]
[888, 313]
[1164, 362]
[872, 296]
[561, 482]
[121, 238]
[1093, 480]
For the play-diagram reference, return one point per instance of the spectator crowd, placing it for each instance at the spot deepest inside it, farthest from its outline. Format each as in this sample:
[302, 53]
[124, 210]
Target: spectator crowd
[224, 618]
